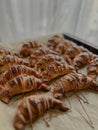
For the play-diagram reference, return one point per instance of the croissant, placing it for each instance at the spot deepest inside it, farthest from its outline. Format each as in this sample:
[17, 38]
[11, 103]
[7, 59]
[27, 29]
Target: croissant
[62, 47]
[59, 44]
[46, 60]
[55, 70]
[9, 60]
[28, 48]
[92, 69]
[16, 70]
[39, 53]
[34, 107]
[72, 81]
[82, 59]
[4, 52]
[73, 51]
[54, 41]
[21, 84]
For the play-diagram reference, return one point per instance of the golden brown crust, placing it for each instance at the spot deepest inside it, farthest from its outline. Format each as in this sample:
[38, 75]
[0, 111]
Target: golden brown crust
[5, 52]
[46, 60]
[54, 41]
[74, 50]
[55, 70]
[16, 70]
[21, 84]
[72, 81]
[9, 60]
[59, 44]
[82, 59]
[92, 69]
[28, 48]
[39, 53]
[34, 107]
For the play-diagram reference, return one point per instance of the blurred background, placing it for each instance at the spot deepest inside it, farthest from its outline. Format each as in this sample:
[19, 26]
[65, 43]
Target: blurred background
[21, 19]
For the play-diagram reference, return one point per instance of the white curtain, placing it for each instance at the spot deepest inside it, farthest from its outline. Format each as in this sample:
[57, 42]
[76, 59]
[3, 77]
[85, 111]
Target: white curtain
[21, 19]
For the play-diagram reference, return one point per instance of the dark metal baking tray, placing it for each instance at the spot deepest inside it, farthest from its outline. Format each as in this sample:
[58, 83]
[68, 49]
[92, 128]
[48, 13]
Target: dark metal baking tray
[81, 42]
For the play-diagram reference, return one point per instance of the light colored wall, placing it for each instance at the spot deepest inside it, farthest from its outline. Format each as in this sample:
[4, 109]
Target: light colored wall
[28, 18]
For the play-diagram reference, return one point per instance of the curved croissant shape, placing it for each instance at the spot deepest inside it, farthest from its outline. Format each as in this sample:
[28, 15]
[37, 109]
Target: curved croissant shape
[16, 70]
[59, 44]
[28, 48]
[54, 41]
[9, 60]
[39, 53]
[74, 50]
[62, 47]
[46, 60]
[5, 52]
[73, 81]
[21, 84]
[92, 69]
[82, 59]
[34, 107]
[55, 70]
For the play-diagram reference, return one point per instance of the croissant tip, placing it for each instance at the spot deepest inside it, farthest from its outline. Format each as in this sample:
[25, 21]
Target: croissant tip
[18, 126]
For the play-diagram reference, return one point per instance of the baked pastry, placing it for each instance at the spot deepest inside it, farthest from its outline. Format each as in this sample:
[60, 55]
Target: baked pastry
[73, 81]
[92, 69]
[9, 60]
[54, 41]
[34, 107]
[73, 51]
[46, 60]
[29, 47]
[55, 70]
[39, 53]
[5, 52]
[82, 59]
[16, 70]
[59, 44]
[21, 84]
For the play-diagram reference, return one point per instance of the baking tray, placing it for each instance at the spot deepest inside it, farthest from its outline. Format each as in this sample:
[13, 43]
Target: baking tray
[82, 42]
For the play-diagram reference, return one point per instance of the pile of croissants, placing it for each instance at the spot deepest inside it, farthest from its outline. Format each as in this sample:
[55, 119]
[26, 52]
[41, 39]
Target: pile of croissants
[34, 68]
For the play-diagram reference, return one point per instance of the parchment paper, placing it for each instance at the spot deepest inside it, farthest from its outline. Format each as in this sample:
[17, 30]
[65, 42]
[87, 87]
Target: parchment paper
[67, 121]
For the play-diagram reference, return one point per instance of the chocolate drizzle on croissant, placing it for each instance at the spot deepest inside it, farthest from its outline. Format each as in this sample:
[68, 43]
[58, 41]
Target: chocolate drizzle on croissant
[82, 59]
[28, 48]
[16, 70]
[55, 70]
[34, 107]
[46, 60]
[21, 84]
[72, 81]
[39, 53]
[5, 52]
[9, 60]
[92, 69]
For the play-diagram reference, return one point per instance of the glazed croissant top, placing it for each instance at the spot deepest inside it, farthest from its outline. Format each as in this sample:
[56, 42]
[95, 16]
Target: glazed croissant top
[9, 60]
[21, 84]
[34, 107]
[16, 70]
[54, 41]
[5, 52]
[39, 53]
[74, 50]
[92, 69]
[73, 81]
[55, 70]
[59, 44]
[46, 60]
[28, 48]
